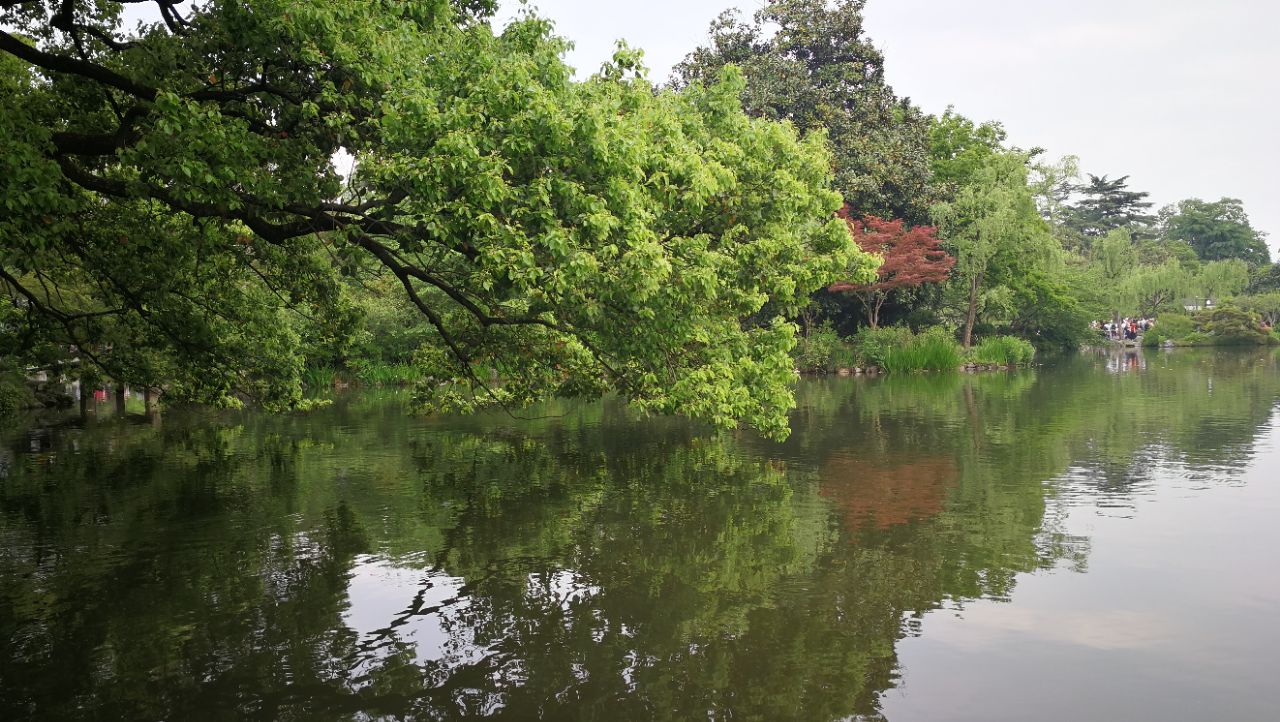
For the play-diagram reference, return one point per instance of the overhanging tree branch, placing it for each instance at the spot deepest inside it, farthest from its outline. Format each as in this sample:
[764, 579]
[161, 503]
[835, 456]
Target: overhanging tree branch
[74, 66]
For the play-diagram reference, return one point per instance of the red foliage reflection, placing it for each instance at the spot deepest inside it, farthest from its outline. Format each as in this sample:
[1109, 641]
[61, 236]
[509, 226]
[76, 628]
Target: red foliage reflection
[873, 494]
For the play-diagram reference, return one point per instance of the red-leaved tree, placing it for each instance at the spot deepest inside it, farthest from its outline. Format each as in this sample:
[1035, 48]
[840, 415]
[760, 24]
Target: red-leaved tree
[912, 258]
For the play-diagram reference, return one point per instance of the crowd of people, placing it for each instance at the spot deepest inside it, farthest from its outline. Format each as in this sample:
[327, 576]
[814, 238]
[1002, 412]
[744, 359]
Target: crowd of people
[1127, 329]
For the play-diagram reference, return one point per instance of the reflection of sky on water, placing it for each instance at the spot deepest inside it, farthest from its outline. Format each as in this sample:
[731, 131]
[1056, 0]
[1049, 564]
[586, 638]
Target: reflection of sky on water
[1136, 638]
[398, 605]
[389, 604]
[995, 625]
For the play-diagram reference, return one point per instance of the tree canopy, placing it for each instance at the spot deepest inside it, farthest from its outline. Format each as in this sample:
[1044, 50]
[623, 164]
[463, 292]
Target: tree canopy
[172, 207]
[912, 257]
[1217, 231]
[1108, 205]
[993, 228]
[1221, 279]
[1154, 288]
[810, 62]
[959, 147]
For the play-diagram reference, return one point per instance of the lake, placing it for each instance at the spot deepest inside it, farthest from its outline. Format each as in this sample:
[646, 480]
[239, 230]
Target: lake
[1096, 538]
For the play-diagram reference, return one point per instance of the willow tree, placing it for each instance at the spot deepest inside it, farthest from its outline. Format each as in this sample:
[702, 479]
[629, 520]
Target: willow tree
[993, 228]
[1114, 259]
[1220, 279]
[573, 237]
[1153, 288]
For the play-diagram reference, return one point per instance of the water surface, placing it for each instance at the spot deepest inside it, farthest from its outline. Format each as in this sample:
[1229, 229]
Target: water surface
[1095, 539]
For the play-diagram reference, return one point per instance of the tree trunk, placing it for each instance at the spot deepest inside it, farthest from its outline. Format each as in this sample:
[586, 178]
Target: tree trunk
[971, 408]
[873, 318]
[875, 313]
[872, 302]
[972, 316]
[84, 397]
[150, 403]
[119, 399]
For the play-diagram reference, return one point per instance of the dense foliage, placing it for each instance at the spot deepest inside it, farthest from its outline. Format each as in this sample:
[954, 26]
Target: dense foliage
[912, 257]
[173, 210]
[810, 62]
[993, 227]
[246, 197]
[1217, 231]
[1108, 205]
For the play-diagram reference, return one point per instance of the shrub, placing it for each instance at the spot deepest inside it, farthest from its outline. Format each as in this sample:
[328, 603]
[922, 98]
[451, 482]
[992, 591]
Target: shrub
[1004, 350]
[816, 351]
[1195, 338]
[1232, 326]
[933, 350]
[872, 345]
[1173, 326]
[844, 356]
[15, 394]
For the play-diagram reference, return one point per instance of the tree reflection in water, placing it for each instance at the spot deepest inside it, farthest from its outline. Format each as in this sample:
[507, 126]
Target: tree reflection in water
[355, 563]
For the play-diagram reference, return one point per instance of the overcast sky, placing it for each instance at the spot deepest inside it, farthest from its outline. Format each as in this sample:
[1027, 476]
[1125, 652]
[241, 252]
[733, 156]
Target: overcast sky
[1181, 95]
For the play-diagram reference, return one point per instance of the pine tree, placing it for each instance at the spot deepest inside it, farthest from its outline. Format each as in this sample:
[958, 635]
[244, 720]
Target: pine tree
[1109, 205]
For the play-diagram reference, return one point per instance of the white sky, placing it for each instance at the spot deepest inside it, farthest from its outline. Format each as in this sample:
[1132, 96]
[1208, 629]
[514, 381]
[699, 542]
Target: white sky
[1182, 95]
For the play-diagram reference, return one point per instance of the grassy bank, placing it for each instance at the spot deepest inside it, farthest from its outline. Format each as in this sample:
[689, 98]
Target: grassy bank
[899, 349]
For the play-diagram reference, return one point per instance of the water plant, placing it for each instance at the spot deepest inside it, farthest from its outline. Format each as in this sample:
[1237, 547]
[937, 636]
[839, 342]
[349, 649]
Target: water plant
[315, 378]
[385, 374]
[1003, 350]
[872, 345]
[933, 350]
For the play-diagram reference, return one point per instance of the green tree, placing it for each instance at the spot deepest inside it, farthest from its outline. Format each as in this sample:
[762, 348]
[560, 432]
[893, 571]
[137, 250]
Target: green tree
[574, 237]
[1263, 279]
[1108, 205]
[1222, 279]
[992, 226]
[959, 148]
[1217, 231]
[1155, 251]
[1114, 257]
[1053, 184]
[1046, 309]
[809, 61]
[1266, 305]
[1156, 288]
